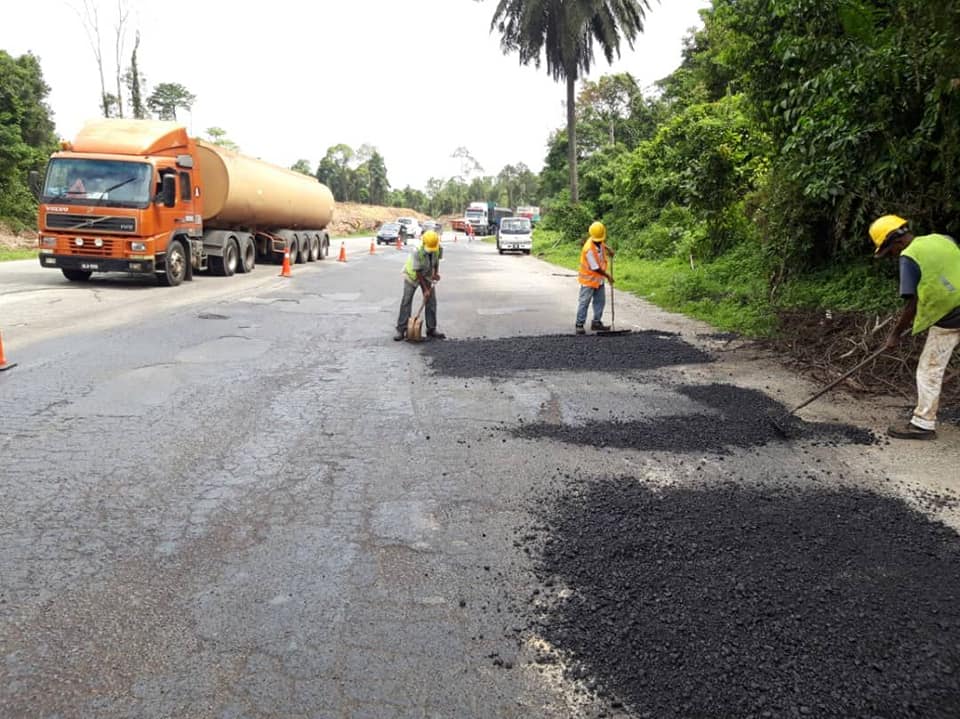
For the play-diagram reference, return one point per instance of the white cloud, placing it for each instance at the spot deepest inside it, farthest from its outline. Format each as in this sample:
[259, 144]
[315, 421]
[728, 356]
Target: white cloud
[287, 79]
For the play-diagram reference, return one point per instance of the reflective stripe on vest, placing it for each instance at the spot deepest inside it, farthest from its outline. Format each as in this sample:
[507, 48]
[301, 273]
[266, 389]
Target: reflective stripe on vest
[938, 293]
[587, 277]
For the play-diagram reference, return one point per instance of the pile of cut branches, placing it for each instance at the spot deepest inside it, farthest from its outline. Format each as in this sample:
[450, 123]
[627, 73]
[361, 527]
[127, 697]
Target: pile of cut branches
[824, 345]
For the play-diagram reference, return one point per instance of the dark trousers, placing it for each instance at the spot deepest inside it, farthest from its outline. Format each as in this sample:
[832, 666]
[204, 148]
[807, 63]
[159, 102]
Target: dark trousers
[406, 306]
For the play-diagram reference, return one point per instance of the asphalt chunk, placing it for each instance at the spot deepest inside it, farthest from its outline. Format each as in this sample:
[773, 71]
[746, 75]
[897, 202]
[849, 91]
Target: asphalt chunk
[737, 602]
[740, 417]
[505, 356]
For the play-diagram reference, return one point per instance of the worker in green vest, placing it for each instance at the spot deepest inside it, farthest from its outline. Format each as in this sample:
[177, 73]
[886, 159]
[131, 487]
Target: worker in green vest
[930, 284]
[422, 270]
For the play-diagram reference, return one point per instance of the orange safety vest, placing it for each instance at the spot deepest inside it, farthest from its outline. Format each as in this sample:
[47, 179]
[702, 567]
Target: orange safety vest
[587, 277]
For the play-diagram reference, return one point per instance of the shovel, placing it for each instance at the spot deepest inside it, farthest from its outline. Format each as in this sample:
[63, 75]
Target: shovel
[613, 314]
[415, 324]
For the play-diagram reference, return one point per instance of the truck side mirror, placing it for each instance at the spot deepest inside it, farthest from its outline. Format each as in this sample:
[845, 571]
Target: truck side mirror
[168, 191]
[33, 180]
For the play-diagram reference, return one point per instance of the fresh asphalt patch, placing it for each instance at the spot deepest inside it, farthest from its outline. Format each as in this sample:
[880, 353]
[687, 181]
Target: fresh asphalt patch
[739, 417]
[733, 601]
[505, 356]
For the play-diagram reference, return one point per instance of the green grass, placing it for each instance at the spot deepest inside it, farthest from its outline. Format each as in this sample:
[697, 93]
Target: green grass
[490, 240]
[732, 292]
[6, 255]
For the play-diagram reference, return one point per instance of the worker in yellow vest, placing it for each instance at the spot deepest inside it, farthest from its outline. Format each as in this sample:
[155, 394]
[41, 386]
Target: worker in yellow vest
[593, 271]
[930, 284]
[421, 270]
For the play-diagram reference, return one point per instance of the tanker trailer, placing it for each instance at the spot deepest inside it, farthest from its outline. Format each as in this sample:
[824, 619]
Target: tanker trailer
[262, 208]
[141, 196]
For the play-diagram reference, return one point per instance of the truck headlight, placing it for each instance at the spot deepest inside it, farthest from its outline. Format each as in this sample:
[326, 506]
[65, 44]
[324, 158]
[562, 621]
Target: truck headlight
[98, 242]
[138, 246]
[78, 242]
[48, 241]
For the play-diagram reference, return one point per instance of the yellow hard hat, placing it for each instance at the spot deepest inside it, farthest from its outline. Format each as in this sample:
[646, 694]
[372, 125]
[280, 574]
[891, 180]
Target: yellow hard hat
[882, 227]
[598, 231]
[430, 240]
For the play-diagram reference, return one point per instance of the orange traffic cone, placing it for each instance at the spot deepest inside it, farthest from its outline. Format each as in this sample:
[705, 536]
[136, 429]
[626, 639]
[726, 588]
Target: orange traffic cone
[399, 244]
[4, 365]
[285, 271]
[343, 254]
[372, 251]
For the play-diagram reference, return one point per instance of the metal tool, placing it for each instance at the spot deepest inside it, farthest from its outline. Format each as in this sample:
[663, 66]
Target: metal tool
[613, 314]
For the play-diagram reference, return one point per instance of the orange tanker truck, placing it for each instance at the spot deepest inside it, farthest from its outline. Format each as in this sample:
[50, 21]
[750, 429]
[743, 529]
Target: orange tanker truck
[141, 196]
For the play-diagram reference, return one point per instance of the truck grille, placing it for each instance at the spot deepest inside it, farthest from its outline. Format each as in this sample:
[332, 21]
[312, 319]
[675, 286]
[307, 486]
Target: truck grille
[89, 249]
[91, 223]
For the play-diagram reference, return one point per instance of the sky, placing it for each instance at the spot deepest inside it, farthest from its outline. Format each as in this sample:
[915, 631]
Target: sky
[286, 79]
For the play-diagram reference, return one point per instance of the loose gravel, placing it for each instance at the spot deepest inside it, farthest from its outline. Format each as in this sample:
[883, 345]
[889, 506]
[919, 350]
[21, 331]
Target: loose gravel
[748, 602]
[509, 355]
[741, 417]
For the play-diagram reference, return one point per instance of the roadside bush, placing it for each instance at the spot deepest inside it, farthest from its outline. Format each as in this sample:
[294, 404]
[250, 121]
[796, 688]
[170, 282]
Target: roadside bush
[571, 221]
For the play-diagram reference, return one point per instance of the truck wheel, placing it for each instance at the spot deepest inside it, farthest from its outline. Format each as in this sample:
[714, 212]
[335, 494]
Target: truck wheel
[298, 255]
[314, 249]
[248, 258]
[175, 266]
[76, 275]
[225, 266]
[324, 246]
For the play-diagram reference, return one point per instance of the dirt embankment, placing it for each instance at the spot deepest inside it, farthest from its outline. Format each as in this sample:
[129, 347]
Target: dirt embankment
[10, 240]
[352, 217]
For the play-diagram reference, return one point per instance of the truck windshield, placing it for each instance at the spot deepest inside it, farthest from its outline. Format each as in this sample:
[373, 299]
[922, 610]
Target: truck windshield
[108, 183]
[476, 214]
[515, 227]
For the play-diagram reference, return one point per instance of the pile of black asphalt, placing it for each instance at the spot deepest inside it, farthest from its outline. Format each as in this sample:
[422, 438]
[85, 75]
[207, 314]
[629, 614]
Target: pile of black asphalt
[738, 601]
[508, 355]
[737, 417]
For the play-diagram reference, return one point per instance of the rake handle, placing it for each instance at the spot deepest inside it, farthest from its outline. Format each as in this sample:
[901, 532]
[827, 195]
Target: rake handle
[840, 379]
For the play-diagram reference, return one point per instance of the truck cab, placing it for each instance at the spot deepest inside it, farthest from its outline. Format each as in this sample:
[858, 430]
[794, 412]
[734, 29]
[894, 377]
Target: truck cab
[120, 204]
[515, 234]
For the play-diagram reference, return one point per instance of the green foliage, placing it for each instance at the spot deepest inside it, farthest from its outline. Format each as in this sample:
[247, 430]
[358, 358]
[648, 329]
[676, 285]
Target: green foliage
[168, 97]
[9, 255]
[570, 221]
[218, 136]
[26, 135]
[302, 166]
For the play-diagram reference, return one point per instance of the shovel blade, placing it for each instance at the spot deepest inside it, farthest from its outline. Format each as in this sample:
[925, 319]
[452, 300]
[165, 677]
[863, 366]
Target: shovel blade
[414, 327]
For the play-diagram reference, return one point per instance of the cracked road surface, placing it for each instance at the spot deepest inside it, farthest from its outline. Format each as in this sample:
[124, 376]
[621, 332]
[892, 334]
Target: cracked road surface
[240, 499]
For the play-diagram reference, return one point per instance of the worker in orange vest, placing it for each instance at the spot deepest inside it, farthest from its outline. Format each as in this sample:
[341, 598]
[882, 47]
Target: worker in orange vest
[593, 271]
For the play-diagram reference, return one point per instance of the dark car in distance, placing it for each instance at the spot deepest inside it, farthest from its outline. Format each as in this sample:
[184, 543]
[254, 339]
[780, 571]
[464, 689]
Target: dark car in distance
[389, 232]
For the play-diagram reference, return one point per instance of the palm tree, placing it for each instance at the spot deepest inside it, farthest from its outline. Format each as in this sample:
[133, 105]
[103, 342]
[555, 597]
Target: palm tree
[565, 30]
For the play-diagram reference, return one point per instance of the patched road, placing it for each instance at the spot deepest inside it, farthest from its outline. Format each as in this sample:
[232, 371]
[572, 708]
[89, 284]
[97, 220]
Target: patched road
[241, 499]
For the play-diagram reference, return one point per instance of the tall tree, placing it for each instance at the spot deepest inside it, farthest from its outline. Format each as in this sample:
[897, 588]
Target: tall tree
[564, 32]
[135, 82]
[167, 97]
[90, 20]
[303, 166]
[378, 184]
[26, 133]
[120, 33]
[218, 136]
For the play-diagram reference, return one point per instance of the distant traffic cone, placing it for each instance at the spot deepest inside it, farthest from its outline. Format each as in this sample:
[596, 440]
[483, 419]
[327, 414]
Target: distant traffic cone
[399, 244]
[343, 253]
[285, 271]
[372, 251]
[4, 365]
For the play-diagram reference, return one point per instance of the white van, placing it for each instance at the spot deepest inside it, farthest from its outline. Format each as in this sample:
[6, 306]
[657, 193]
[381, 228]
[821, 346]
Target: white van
[516, 234]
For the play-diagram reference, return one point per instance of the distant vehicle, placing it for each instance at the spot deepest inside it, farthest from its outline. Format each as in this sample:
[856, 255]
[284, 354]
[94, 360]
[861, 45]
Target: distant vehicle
[411, 228]
[485, 217]
[530, 212]
[516, 234]
[459, 224]
[389, 232]
[432, 225]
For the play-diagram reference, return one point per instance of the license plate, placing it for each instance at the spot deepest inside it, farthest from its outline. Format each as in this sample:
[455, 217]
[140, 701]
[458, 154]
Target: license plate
[89, 266]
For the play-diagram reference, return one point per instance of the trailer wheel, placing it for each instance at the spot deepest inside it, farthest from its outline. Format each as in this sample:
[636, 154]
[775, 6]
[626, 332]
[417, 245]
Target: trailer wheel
[175, 266]
[314, 249]
[248, 258]
[324, 247]
[225, 266]
[76, 275]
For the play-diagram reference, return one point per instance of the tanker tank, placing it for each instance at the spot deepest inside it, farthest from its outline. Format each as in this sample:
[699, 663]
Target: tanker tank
[240, 191]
